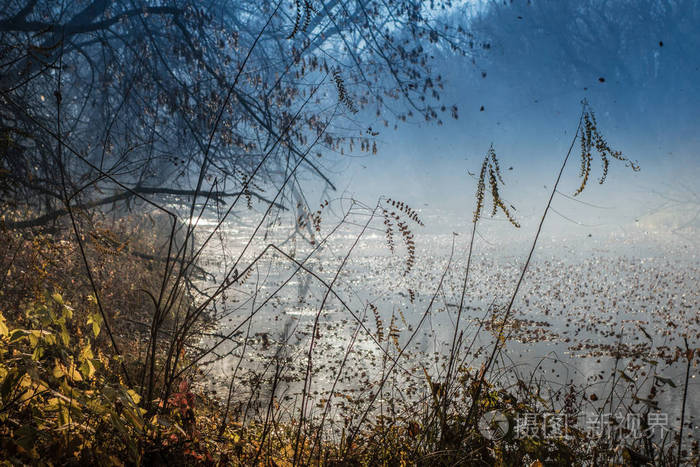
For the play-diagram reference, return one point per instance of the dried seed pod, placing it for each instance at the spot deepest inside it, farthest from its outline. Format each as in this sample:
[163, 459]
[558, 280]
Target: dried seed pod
[491, 167]
[297, 19]
[378, 322]
[308, 9]
[394, 218]
[343, 95]
[591, 139]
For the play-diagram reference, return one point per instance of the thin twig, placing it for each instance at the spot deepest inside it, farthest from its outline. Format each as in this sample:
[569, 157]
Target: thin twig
[497, 345]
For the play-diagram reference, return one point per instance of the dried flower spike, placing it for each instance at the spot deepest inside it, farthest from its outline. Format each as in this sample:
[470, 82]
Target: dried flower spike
[395, 219]
[592, 139]
[491, 167]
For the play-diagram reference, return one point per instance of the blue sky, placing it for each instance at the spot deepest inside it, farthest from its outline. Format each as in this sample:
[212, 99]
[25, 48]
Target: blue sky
[636, 64]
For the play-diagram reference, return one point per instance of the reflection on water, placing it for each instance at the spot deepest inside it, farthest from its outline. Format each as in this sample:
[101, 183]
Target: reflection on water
[595, 313]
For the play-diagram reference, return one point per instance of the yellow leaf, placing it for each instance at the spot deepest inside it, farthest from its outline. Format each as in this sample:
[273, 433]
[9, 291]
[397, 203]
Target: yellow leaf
[57, 298]
[86, 353]
[59, 370]
[38, 353]
[34, 339]
[3, 327]
[25, 381]
[95, 320]
[74, 372]
[134, 396]
[65, 337]
[115, 461]
[87, 369]
[53, 403]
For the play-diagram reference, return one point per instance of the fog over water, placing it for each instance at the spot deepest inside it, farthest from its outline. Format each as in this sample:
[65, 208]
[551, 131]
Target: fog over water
[614, 280]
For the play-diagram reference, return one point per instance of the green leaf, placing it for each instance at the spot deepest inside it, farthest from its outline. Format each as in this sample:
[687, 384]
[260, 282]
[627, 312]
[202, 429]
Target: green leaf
[95, 320]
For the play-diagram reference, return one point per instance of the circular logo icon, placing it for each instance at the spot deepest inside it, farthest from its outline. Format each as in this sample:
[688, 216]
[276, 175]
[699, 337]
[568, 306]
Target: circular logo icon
[494, 425]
